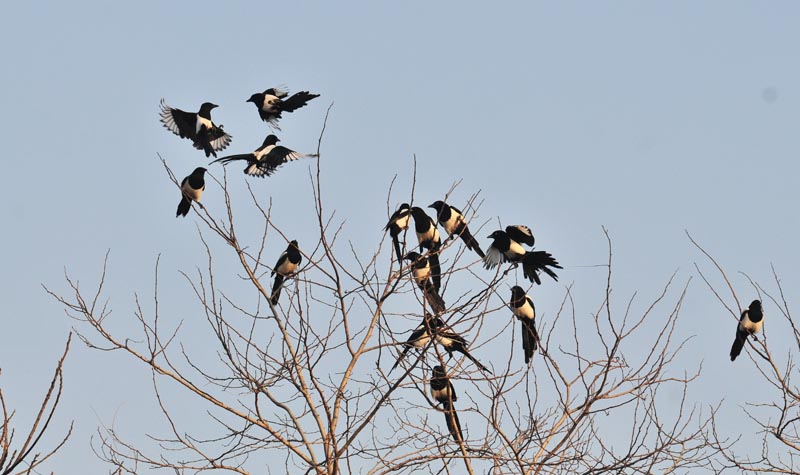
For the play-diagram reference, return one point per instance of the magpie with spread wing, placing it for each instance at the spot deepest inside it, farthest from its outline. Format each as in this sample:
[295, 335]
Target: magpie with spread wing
[265, 159]
[398, 223]
[507, 247]
[750, 323]
[196, 127]
[522, 307]
[192, 188]
[421, 271]
[285, 267]
[420, 337]
[274, 101]
[428, 238]
[453, 221]
[443, 393]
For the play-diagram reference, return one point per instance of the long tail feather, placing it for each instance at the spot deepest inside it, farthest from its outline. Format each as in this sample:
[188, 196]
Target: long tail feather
[738, 344]
[453, 424]
[276, 289]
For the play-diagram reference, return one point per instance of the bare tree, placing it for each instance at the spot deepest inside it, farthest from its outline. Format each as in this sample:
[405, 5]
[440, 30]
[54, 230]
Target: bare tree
[305, 384]
[20, 448]
[777, 417]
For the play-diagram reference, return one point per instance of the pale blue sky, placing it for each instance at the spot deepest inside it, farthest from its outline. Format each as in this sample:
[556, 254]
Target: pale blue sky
[647, 118]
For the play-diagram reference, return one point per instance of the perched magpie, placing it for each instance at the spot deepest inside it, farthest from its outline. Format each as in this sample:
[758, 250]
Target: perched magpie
[398, 223]
[506, 247]
[421, 271]
[750, 322]
[420, 336]
[522, 308]
[196, 127]
[452, 341]
[428, 238]
[285, 267]
[265, 159]
[272, 102]
[442, 391]
[191, 189]
[452, 219]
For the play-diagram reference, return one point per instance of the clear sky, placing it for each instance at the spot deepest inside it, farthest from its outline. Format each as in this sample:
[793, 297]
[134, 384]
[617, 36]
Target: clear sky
[648, 118]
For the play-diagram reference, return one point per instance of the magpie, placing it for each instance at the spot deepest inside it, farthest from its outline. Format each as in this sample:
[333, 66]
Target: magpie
[507, 247]
[421, 336]
[442, 391]
[421, 271]
[750, 322]
[522, 308]
[191, 189]
[453, 342]
[285, 267]
[265, 159]
[428, 238]
[196, 127]
[398, 223]
[272, 102]
[452, 219]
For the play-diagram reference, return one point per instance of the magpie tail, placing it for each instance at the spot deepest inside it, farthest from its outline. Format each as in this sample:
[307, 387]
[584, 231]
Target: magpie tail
[276, 288]
[434, 299]
[183, 207]
[471, 243]
[738, 344]
[436, 270]
[477, 363]
[530, 340]
[535, 261]
[453, 424]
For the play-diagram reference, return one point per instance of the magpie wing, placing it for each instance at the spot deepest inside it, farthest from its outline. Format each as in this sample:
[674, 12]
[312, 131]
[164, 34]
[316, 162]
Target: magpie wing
[521, 234]
[178, 122]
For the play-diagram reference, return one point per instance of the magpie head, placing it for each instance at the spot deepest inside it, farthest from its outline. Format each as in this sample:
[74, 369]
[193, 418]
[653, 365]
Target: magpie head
[404, 207]
[517, 293]
[418, 213]
[256, 98]
[755, 306]
[497, 234]
[293, 243]
[199, 171]
[412, 256]
[438, 372]
[270, 140]
[437, 205]
[206, 108]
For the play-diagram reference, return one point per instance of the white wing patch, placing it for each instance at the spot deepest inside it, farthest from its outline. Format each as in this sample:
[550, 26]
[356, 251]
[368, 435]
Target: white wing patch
[493, 258]
[221, 143]
[167, 119]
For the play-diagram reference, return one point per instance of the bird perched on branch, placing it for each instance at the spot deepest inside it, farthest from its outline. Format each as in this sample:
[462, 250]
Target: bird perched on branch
[273, 102]
[192, 188]
[750, 322]
[428, 238]
[420, 337]
[265, 159]
[453, 221]
[285, 267]
[442, 392]
[398, 223]
[196, 127]
[453, 342]
[507, 247]
[522, 308]
[421, 271]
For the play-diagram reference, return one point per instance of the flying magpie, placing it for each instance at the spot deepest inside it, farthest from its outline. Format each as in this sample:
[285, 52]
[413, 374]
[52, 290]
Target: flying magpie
[428, 238]
[420, 336]
[452, 341]
[285, 267]
[191, 189]
[398, 223]
[507, 247]
[750, 322]
[442, 391]
[421, 271]
[265, 159]
[522, 308]
[196, 127]
[272, 102]
[452, 219]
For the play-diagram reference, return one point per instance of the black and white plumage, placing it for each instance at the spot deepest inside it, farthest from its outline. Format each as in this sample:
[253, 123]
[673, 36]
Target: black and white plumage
[453, 221]
[265, 159]
[273, 102]
[506, 248]
[192, 188]
[522, 307]
[428, 238]
[196, 127]
[453, 342]
[443, 392]
[750, 322]
[421, 271]
[285, 267]
[398, 223]
[420, 337]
